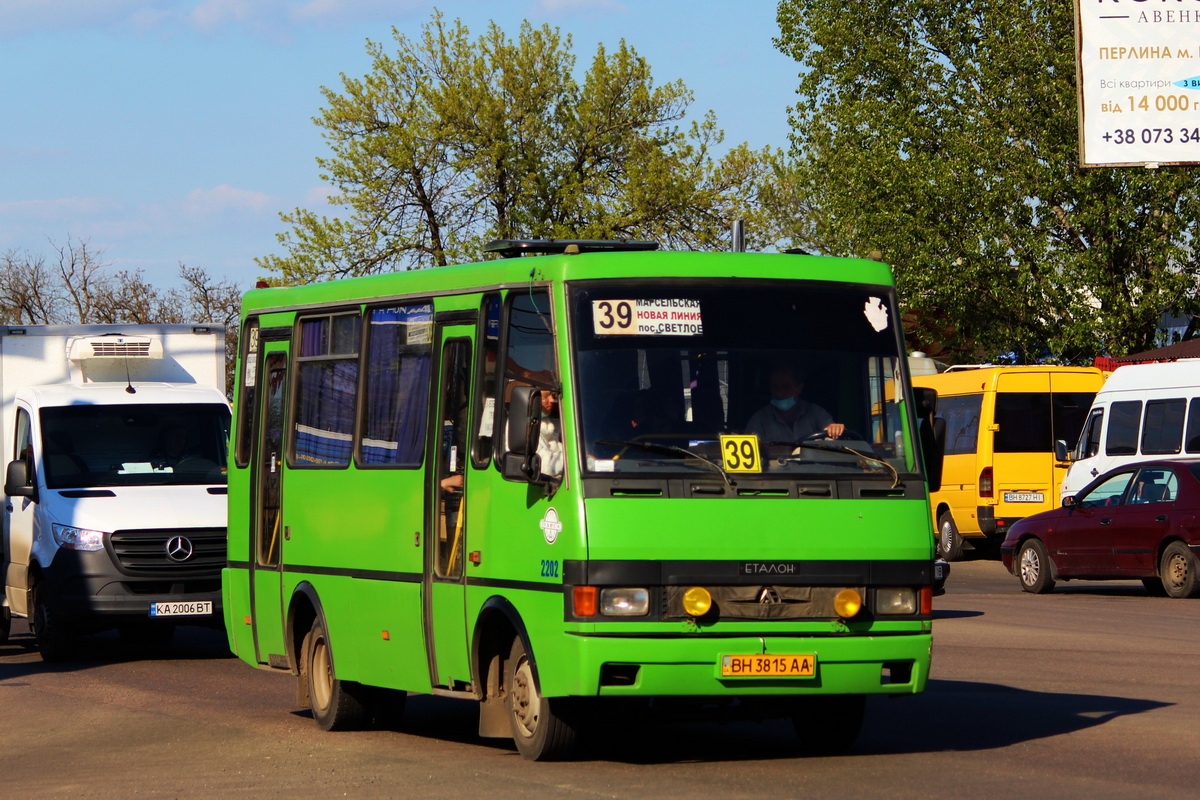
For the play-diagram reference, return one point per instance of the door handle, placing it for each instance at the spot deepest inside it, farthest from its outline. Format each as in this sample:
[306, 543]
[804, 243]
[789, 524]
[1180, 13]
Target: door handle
[1161, 518]
[1106, 521]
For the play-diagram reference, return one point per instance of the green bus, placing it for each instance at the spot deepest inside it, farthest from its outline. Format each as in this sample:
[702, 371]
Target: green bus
[533, 482]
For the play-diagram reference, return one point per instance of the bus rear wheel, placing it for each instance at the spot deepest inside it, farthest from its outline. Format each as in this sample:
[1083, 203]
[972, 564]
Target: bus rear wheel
[538, 729]
[335, 704]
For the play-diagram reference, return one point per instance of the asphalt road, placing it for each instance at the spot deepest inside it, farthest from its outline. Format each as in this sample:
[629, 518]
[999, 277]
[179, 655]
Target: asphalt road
[1090, 692]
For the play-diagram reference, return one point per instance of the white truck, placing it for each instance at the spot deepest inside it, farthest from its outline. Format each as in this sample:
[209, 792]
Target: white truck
[114, 438]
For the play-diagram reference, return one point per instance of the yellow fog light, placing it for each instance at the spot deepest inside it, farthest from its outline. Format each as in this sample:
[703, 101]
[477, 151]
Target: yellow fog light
[847, 603]
[697, 601]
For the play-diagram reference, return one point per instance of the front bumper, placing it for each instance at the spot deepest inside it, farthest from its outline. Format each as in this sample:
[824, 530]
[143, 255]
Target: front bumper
[87, 589]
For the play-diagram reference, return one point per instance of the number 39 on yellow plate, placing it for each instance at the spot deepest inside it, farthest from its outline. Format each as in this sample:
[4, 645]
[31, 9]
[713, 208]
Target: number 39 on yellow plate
[740, 453]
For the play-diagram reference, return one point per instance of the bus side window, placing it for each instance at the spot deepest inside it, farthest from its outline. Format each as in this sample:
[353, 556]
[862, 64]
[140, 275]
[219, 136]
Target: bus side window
[485, 400]
[529, 343]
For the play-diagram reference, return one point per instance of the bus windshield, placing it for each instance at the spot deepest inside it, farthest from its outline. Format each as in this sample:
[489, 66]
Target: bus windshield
[808, 369]
[134, 445]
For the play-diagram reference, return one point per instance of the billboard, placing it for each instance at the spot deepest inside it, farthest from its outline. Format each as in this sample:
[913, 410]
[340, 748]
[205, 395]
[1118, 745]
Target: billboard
[1138, 64]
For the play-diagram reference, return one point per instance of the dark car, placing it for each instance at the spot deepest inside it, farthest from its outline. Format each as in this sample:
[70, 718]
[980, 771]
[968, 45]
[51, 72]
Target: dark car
[1140, 521]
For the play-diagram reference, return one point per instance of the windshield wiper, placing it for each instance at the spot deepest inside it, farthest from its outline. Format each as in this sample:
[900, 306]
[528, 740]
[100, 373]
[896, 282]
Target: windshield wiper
[652, 447]
[830, 447]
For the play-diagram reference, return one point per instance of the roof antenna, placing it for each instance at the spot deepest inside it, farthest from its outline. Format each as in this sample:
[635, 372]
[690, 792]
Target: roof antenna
[128, 383]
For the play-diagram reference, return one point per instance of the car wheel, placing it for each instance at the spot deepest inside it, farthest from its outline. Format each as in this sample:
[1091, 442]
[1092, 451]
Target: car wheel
[949, 540]
[1178, 571]
[5, 624]
[56, 643]
[1033, 567]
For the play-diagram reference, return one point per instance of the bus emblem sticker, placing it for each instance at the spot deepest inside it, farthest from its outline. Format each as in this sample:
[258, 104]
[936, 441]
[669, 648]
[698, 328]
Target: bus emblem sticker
[550, 526]
[876, 313]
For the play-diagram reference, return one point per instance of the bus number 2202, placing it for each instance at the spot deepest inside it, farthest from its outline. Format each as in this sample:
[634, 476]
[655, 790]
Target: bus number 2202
[549, 569]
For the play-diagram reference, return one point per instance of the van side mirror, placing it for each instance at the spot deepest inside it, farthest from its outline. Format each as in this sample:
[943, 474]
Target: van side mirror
[931, 432]
[522, 428]
[1060, 450]
[17, 480]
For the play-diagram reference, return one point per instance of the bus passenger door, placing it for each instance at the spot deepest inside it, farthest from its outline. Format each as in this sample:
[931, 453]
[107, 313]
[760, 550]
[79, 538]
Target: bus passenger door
[266, 514]
[446, 532]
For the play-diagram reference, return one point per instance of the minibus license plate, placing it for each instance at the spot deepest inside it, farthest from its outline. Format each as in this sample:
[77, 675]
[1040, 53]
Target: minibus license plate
[769, 666]
[1024, 497]
[195, 608]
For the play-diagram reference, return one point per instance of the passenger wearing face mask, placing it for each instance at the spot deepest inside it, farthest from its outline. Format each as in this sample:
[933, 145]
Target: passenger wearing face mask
[788, 418]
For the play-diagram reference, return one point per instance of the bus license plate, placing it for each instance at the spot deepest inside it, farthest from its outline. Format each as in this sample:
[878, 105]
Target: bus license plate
[769, 666]
[195, 608]
[1024, 497]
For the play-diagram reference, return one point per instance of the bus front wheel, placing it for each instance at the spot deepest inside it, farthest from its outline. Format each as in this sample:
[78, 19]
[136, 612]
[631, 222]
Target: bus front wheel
[538, 727]
[335, 706]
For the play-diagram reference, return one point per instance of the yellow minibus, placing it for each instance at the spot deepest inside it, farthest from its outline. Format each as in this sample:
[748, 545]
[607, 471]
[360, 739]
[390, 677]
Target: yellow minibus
[1001, 425]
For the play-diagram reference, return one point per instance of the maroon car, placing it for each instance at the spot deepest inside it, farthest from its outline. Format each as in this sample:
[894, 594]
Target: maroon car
[1138, 521]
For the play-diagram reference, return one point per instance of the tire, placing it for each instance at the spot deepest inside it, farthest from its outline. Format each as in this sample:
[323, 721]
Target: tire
[949, 540]
[56, 643]
[829, 724]
[336, 704]
[538, 728]
[1033, 567]
[5, 624]
[1178, 571]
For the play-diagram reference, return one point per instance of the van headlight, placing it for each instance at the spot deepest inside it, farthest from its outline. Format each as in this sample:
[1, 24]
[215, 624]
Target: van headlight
[624, 602]
[900, 600]
[77, 538]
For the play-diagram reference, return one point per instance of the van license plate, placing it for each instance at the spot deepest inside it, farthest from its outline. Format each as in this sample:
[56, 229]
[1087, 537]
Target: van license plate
[195, 608]
[1024, 497]
[769, 666]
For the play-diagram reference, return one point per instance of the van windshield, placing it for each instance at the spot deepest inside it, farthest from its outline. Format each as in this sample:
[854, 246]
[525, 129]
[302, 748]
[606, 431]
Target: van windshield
[665, 369]
[134, 445]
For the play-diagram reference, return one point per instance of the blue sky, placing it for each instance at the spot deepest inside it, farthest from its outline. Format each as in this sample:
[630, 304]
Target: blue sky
[164, 132]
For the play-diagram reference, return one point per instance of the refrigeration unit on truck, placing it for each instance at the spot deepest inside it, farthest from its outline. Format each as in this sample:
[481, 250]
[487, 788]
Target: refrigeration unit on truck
[114, 438]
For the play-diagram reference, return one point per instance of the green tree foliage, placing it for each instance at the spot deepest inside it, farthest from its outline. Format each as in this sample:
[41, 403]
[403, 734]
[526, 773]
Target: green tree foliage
[451, 141]
[944, 136]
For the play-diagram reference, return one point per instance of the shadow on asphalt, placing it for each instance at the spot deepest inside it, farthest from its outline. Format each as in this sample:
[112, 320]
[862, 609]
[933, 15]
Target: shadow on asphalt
[190, 643]
[951, 716]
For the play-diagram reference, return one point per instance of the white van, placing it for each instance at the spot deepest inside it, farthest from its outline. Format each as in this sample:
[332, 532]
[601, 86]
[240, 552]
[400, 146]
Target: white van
[115, 514]
[1143, 411]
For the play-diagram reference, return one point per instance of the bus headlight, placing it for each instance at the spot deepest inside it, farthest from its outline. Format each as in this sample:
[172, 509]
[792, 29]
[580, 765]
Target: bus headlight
[848, 603]
[697, 601]
[77, 538]
[624, 602]
[896, 600]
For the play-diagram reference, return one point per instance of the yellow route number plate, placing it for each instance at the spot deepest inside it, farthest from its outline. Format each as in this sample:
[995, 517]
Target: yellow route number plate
[769, 666]
[740, 453]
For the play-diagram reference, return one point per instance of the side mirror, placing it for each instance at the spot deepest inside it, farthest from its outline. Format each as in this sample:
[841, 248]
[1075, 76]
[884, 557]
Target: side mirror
[17, 480]
[931, 432]
[1070, 502]
[521, 435]
[1060, 450]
